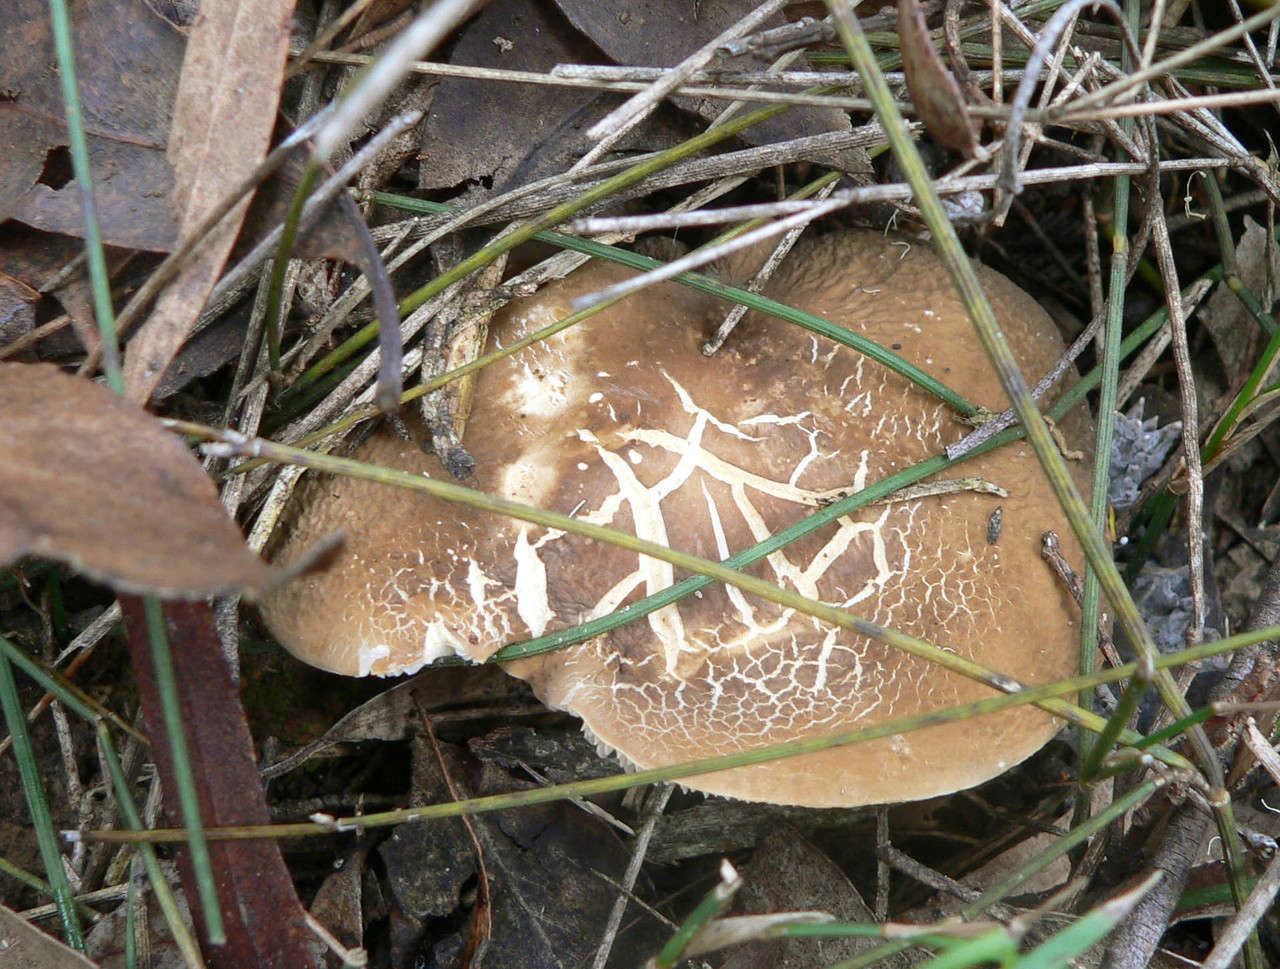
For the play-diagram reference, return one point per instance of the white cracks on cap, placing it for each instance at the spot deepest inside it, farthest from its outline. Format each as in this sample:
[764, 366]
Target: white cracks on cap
[728, 473]
[477, 581]
[532, 603]
[369, 654]
[686, 401]
[646, 514]
[746, 615]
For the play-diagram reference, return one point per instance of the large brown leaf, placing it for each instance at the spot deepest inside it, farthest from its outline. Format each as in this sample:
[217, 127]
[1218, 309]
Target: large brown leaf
[225, 111]
[92, 480]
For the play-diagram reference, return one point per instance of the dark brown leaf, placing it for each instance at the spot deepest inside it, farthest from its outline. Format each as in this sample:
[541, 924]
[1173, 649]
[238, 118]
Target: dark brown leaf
[17, 308]
[265, 923]
[788, 874]
[338, 903]
[472, 131]
[35, 258]
[938, 99]
[92, 480]
[127, 60]
[661, 33]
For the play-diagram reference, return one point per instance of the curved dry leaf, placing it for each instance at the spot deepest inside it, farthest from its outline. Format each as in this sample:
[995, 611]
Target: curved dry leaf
[222, 122]
[94, 481]
[937, 97]
[26, 947]
[472, 133]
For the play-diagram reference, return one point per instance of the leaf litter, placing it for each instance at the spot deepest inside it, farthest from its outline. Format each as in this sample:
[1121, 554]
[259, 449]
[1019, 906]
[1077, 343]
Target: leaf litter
[540, 854]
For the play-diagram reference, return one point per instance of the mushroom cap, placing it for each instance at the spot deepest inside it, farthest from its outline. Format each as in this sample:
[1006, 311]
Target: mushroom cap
[622, 421]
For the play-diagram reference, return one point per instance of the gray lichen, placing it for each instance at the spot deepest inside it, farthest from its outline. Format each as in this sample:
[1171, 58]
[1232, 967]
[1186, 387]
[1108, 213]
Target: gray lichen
[1137, 452]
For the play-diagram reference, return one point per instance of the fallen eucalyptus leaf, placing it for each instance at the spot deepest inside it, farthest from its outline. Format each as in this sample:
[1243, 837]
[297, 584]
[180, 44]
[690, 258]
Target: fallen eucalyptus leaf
[938, 99]
[94, 481]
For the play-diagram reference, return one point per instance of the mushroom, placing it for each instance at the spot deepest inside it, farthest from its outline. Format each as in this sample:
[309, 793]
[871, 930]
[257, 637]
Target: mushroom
[620, 420]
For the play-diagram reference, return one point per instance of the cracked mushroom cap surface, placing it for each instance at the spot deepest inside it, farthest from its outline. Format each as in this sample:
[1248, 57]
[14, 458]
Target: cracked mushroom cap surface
[622, 421]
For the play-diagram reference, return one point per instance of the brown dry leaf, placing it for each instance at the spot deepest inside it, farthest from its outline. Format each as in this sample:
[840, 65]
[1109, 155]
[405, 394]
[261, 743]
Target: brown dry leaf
[35, 258]
[92, 480]
[788, 874]
[1235, 334]
[126, 59]
[934, 91]
[225, 112]
[395, 713]
[661, 33]
[472, 131]
[17, 308]
[26, 947]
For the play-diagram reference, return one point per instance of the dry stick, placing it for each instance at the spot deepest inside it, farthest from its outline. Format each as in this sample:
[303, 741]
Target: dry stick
[886, 192]
[625, 115]
[901, 862]
[1127, 82]
[708, 254]
[1046, 95]
[721, 92]
[1204, 124]
[1190, 419]
[654, 805]
[994, 17]
[1199, 102]
[465, 330]
[1093, 255]
[31, 338]
[304, 56]
[1137, 936]
[1252, 48]
[1156, 346]
[1153, 34]
[883, 846]
[1009, 184]
[582, 75]
[1233, 935]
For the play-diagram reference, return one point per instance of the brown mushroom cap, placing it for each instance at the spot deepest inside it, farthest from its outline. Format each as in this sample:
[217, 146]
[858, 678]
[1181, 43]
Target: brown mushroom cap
[622, 421]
